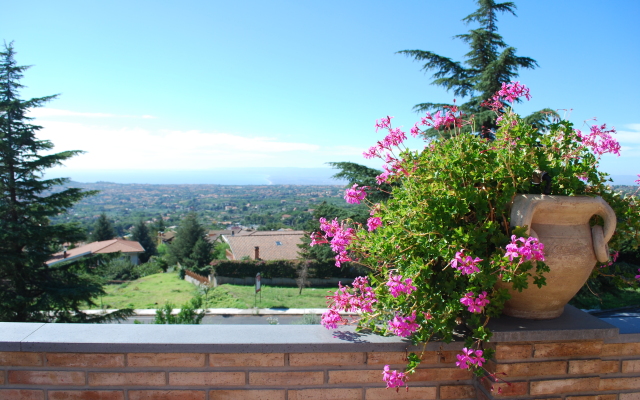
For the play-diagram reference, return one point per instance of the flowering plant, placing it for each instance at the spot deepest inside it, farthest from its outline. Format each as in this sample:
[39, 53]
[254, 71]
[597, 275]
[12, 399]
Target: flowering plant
[439, 245]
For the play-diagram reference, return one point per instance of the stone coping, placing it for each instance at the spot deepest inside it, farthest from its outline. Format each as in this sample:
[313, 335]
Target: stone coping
[114, 338]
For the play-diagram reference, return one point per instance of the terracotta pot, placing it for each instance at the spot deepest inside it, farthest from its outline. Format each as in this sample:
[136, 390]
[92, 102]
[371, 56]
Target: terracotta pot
[571, 249]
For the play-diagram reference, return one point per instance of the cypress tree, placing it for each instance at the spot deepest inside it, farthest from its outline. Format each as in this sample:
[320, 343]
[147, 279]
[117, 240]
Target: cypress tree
[31, 290]
[489, 63]
[187, 235]
[103, 229]
[140, 234]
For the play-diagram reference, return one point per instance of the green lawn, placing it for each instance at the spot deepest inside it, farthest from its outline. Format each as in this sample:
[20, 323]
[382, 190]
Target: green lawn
[154, 290]
[235, 296]
[149, 292]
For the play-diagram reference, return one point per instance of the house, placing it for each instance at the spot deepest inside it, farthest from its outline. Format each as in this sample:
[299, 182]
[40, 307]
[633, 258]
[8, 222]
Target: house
[128, 248]
[166, 237]
[264, 245]
[213, 236]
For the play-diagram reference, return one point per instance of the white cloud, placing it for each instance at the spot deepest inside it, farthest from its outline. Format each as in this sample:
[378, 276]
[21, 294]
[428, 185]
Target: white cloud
[56, 112]
[136, 148]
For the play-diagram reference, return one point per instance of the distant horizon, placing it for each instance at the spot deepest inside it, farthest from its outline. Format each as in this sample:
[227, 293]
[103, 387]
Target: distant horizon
[229, 176]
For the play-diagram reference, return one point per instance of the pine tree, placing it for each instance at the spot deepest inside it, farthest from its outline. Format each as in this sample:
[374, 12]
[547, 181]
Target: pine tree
[200, 257]
[489, 63]
[140, 234]
[31, 290]
[103, 229]
[187, 235]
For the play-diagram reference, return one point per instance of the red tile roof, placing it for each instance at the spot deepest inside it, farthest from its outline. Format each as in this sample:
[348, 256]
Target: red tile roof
[273, 245]
[105, 246]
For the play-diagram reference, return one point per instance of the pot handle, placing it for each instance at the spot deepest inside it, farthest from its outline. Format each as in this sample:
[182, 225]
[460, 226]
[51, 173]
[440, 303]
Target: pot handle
[609, 218]
[600, 235]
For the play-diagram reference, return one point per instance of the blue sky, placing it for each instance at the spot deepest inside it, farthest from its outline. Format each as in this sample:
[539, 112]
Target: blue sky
[194, 85]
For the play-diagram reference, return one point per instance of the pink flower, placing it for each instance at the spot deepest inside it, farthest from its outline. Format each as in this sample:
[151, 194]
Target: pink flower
[475, 305]
[383, 123]
[394, 379]
[469, 358]
[341, 237]
[355, 195]
[466, 265]
[531, 249]
[600, 140]
[638, 276]
[512, 91]
[373, 223]
[397, 286]
[331, 318]
[638, 180]
[359, 298]
[403, 326]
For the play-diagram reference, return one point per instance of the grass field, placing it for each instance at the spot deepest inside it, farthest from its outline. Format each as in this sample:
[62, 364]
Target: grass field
[153, 291]
[149, 292]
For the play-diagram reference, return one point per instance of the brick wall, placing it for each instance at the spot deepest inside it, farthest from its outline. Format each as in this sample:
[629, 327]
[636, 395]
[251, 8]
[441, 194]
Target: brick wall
[577, 370]
[228, 376]
[576, 357]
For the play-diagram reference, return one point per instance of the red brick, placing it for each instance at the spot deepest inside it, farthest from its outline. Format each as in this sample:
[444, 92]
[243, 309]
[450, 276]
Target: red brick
[325, 394]
[610, 367]
[630, 366]
[542, 368]
[247, 360]
[69, 378]
[568, 349]
[629, 396]
[440, 374]
[564, 386]
[620, 349]
[127, 379]
[206, 378]
[414, 393]
[20, 359]
[584, 367]
[355, 376]
[601, 397]
[448, 357]
[513, 351]
[620, 383]
[1, 377]
[310, 359]
[457, 392]
[21, 394]
[167, 395]
[399, 357]
[502, 389]
[73, 360]
[86, 395]
[165, 360]
[247, 395]
[286, 378]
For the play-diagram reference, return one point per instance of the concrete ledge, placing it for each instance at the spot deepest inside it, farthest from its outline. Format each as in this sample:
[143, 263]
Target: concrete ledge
[572, 325]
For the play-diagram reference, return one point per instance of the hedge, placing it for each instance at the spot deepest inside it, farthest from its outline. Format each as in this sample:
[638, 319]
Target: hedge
[280, 269]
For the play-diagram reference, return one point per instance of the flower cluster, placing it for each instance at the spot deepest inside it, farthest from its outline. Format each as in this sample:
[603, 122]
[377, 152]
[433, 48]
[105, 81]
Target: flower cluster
[394, 379]
[384, 150]
[397, 286]
[531, 249]
[475, 305]
[373, 223]
[512, 91]
[600, 141]
[467, 265]
[469, 358]
[341, 237]
[446, 120]
[403, 326]
[355, 194]
[359, 298]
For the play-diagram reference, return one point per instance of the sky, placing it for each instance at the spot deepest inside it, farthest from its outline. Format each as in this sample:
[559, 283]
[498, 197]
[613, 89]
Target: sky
[153, 86]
